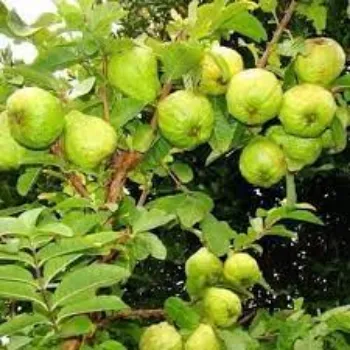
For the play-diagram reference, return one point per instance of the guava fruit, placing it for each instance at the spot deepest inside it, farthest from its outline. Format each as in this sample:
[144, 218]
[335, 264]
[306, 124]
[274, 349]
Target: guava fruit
[218, 66]
[299, 151]
[262, 162]
[203, 338]
[135, 73]
[36, 117]
[161, 336]
[323, 61]
[88, 140]
[307, 110]
[254, 96]
[202, 269]
[242, 269]
[11, 152]
[222, 307]
[185, 119]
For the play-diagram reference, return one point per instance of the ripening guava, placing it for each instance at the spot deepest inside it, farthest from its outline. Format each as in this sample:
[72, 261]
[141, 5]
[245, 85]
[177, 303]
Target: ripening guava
[36, 117]
[307, 110]
[161, 336]
[222, 307]
[242, 269]
[88, 140]
[203, 338]
[299, 151]
[323, 61]
[185, 119]
[218, 66]
[135, 73]
[11, 153]
[202, 269]
[254, 96]
[262, 162]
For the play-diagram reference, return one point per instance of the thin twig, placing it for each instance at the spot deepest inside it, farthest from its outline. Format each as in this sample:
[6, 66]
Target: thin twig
[72, 178]
[103, 90]
[277, 34]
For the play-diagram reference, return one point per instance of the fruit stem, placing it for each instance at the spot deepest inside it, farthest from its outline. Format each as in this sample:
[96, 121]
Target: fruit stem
[291, 190]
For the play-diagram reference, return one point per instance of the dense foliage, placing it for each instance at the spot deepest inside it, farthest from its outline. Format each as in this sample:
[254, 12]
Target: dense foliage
[110, 142]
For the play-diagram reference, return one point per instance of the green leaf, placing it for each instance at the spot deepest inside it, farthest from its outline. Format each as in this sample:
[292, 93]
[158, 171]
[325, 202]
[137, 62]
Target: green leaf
[151, 219]
[180, 58]
[97, 304]
[20, 322]
[76, 326]
[54, 228]
[145, 244]
[20, 256]
[112, 345]
[17, 25]
[27, 180]
[282, 231]
[316, 12]
[142, 137]
[86, 279]
[182, 171]
[82, 88]
[182, 314]
[20, 291]
[238, 340]
[16, 273]
[124, 110]
[291, 47]
[18, 342]
[303, 215]
[248, 25]
[217, 235]
[268, 5]
[56, 265]
[343, 81]
[74, 203]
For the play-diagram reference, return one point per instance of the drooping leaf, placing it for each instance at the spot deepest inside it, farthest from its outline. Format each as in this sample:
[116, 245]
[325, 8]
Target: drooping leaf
[82, 88]
[20, 256]
[182, 171]
[99, 303]
[151, 219]
[76, 326]
[27, 180]
[303, 215]
[55, 228]
[124, 111]
[316, 12]
[16, 273]
[85, 279]
[146, 244]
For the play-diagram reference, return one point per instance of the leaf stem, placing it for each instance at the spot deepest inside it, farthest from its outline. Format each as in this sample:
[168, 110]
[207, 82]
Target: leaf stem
[291, 190]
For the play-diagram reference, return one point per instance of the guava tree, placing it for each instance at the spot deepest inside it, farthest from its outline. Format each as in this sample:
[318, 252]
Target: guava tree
[100, 121]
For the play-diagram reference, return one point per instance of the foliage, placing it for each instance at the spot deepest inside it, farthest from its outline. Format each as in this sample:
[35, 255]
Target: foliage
[81, 231]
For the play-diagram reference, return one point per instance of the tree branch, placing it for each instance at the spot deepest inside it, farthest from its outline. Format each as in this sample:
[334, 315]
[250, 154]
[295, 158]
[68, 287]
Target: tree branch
[72, 178]
[277, 34]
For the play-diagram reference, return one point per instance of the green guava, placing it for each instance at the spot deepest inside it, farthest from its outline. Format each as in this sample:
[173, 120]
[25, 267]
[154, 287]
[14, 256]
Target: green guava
[202, 269]
[36, 117]
[254, 96]
[307, 110]
[323, 61]
[222, 307]
[135, 73]
[242, 269]
[161, 336]
[12, 152]
[203, 338]
[262, 162]
[299, 151]
[88, 140]
[218, 66]
[186, 119]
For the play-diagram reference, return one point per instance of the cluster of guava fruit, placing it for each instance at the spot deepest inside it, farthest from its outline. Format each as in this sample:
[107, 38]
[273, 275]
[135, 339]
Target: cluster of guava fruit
[219, 307]
[310, 119]
[35, 119]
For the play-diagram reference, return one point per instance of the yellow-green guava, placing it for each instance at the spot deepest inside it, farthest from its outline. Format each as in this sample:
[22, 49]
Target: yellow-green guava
[222, 307]
[242, 269]
[186, 119]
[218, 66]
[262, 162]
[323, 61]
[254, 96]
[203, 338]
[202, 269]
[161, 336]
[36, 117]
[299, 151]
[307, 110]
[88, 140]
[135, 73]
[11, 153]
